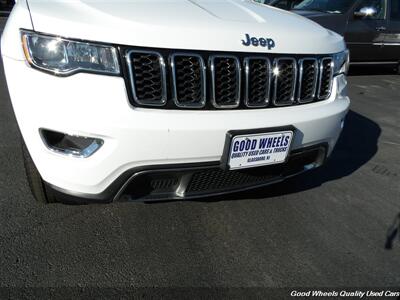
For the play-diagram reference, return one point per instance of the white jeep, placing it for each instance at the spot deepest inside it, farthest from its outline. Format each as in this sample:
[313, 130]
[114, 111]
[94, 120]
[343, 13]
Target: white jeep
[149, 100]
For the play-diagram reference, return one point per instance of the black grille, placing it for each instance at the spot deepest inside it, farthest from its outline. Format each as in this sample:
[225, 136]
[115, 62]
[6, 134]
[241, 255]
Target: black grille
[326, 78]
[188, 80]
[285, 72]
[258, 76]
[148, 78]
[200, 80]
[217, 179]
[308, 80]
[226, 81]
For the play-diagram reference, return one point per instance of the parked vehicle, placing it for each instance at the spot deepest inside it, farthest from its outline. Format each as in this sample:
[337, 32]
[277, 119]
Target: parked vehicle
[174, 100]
[371, 27]
[6, 6]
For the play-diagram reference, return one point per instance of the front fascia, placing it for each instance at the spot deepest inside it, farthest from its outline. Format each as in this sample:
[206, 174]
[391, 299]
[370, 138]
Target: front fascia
[98, 106]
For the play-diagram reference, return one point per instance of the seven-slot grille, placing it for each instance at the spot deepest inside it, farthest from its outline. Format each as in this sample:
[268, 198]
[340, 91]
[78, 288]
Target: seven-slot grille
[148, 78]
[258, 81]
[198, 81]
[188, 76]
[285, 74]
[225, 81]
[308, 80]
[325, 80]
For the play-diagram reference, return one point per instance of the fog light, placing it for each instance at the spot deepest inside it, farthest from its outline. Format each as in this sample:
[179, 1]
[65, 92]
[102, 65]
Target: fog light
[71, 145]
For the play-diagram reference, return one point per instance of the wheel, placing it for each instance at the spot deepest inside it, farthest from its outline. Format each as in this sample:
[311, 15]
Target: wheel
[38, 187]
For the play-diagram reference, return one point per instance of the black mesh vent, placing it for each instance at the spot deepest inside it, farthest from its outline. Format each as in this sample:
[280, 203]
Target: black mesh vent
[163, 183]
[148, 78]
[308, 81]
[218, 179]
[326, 78]
[285, 72]
[226, 82]
[189, 81]
[258, 82]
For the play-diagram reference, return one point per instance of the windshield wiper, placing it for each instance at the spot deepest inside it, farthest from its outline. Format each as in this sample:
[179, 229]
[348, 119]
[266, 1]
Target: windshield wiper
[310, 9]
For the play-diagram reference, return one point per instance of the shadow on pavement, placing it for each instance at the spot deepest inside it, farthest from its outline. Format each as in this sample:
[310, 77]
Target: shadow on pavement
[356, 146]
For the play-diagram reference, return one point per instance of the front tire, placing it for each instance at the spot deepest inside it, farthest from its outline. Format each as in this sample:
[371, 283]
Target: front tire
[38, 187]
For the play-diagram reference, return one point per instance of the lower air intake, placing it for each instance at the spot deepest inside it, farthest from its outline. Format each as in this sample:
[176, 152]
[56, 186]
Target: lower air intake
[193, 182]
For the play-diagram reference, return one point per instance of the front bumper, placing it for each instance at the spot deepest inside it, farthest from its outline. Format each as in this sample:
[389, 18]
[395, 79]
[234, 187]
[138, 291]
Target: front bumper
[190, 181]
[98, 106]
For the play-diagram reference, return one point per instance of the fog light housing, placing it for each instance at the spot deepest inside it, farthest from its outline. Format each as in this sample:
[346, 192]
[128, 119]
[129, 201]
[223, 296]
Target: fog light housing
[70, 145]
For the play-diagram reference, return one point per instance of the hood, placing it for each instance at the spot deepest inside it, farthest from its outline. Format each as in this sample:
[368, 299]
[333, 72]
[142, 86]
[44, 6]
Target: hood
[334, 22]
[183, 24]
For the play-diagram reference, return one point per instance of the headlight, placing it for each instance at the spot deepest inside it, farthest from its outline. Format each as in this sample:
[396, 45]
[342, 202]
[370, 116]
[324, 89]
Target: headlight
[65, 57]
[341, 62]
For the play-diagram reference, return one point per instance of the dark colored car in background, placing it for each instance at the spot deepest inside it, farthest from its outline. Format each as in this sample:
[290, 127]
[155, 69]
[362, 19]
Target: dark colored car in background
[371, 27]
[6, 6]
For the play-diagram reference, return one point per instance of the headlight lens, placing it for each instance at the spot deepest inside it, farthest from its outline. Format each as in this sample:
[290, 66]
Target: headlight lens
[65, 57]
[341, 62]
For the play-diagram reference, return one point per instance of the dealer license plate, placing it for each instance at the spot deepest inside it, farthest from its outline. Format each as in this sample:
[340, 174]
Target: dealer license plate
[254, 150]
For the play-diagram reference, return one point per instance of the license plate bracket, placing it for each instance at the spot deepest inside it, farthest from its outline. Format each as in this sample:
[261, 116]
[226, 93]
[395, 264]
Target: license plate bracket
[258, 147]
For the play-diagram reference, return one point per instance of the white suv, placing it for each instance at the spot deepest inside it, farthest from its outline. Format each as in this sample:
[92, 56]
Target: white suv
[150, 100]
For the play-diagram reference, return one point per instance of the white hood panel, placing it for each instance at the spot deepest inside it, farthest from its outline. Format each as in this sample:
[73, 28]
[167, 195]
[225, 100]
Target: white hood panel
[216, 25]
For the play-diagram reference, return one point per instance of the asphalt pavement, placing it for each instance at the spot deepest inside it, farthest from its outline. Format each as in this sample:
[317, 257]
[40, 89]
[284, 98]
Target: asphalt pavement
[324, 229]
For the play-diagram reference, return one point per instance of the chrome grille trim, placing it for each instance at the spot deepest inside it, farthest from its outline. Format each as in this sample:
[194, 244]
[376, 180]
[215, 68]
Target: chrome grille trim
[163, 75]
[321, 71]
[300, 82]
[275, 72]
[213, 81]
[247, 100]
[232, 92]
[202, 102]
